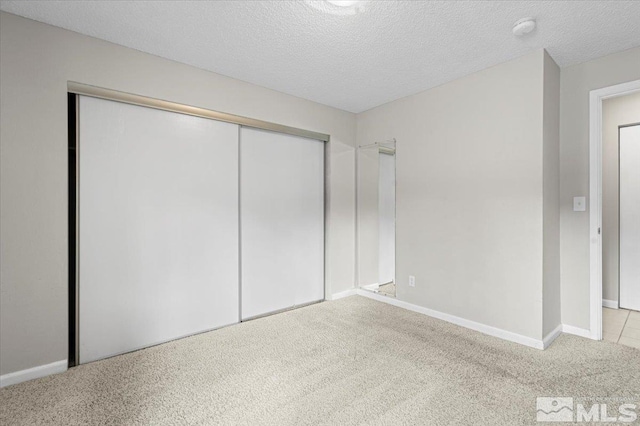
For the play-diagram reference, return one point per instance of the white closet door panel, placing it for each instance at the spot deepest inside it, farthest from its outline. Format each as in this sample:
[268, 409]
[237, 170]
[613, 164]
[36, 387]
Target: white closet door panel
[282, 221]
[630, 217]
[158, 226]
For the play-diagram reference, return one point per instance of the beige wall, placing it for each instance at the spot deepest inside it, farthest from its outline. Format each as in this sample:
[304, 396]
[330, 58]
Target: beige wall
[36, 62]
[551, 193]
[615, 112]
[575, 83]
[469, 194]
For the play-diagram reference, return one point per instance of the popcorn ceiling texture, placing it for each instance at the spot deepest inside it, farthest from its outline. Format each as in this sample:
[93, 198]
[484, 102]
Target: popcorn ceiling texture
[353, 62]
[349, 362]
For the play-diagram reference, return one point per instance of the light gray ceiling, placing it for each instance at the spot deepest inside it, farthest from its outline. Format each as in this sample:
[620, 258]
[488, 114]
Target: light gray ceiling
[388, 50]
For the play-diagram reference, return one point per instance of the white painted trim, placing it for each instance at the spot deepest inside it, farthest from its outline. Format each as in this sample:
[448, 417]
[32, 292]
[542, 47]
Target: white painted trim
[342, 294]
[549, 338]
[472, 325]
[611, 304]
[33, 373]
[595, 198]
[576, 331]
[374, 286]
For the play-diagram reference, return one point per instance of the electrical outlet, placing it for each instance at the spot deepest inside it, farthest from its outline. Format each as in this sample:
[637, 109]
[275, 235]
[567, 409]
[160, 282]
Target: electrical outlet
[412, 281]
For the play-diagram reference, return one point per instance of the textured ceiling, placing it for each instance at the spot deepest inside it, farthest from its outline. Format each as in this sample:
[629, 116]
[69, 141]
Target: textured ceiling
[388, 50]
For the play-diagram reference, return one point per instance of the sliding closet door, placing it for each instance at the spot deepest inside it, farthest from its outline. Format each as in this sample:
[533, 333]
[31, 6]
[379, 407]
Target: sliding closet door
[282, 221]
[158, 226]
[630, 217]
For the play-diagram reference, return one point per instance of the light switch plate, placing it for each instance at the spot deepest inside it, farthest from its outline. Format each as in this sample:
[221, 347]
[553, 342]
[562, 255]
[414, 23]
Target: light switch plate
[579, 204]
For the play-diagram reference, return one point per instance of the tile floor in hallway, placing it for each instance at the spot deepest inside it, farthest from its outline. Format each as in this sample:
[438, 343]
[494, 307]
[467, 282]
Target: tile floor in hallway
[621, 326]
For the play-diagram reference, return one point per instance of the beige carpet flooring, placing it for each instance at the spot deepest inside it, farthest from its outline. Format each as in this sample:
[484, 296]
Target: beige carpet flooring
[348, 362]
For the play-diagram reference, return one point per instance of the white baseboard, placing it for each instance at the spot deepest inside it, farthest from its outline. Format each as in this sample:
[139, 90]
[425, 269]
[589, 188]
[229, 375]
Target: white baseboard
[33, 373]
[476, 326]
[549, 338]
[576, 331]
[342, 294]
[612, 304]
[374, 286]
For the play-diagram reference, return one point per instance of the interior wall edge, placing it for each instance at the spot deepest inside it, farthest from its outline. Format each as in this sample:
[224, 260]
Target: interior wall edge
[551, 314]
[551, 336]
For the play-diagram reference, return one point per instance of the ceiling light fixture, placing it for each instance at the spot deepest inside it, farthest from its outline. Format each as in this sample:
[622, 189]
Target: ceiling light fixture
[524, 26]
[338, 7]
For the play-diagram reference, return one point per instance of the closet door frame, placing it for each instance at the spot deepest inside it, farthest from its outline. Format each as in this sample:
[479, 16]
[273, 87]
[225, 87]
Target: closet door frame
[74, 90]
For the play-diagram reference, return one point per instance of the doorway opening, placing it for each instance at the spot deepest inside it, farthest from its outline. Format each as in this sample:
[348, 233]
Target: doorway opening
[376, 165]
[621, 221]
[614, 215]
